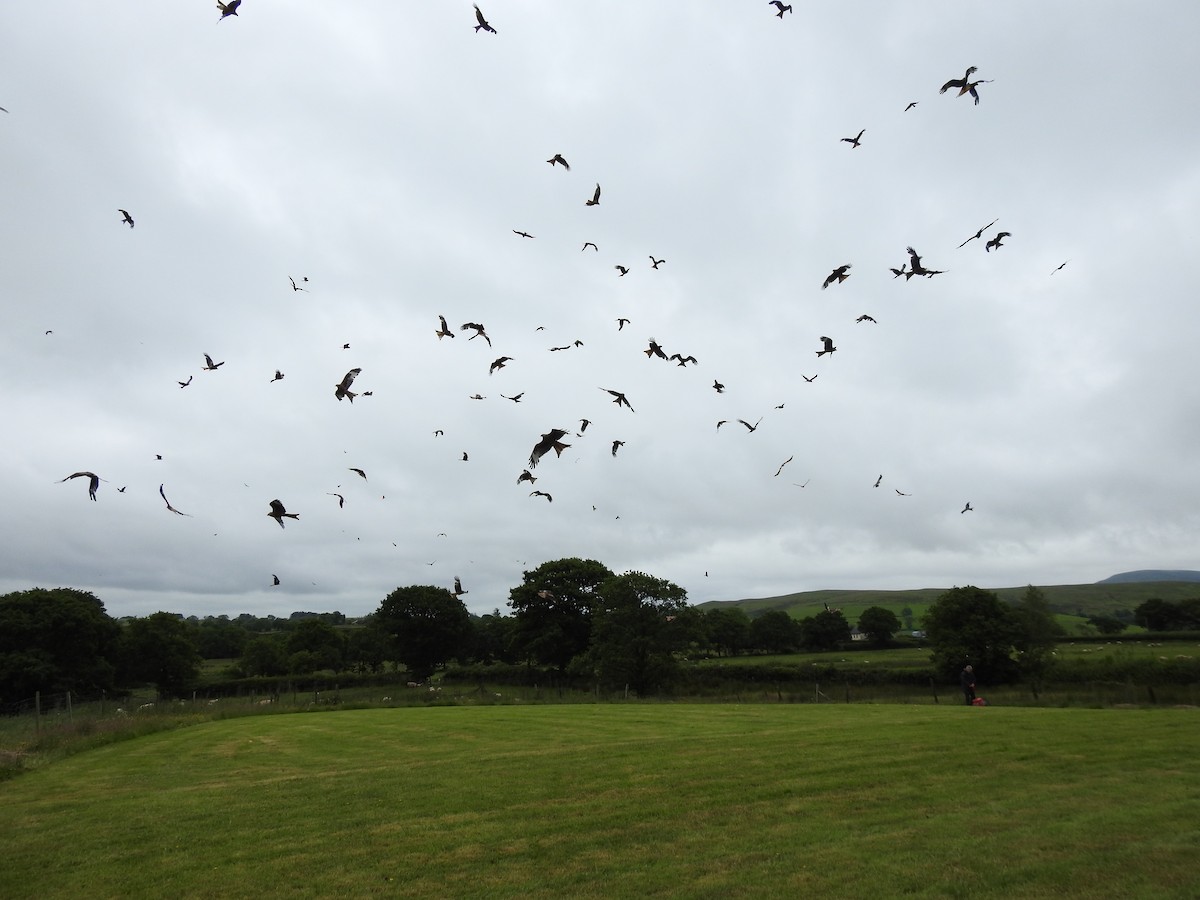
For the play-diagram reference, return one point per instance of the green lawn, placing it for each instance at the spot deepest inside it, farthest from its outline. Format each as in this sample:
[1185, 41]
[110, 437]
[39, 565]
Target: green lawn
[628, 800]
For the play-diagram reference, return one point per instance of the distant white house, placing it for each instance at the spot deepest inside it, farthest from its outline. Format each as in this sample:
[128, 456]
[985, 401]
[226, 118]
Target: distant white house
[918, 634]
[856, 635]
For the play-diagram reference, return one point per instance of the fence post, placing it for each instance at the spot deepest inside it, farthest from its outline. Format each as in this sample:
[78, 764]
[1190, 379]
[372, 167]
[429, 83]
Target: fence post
[37, 713]
[70, 710]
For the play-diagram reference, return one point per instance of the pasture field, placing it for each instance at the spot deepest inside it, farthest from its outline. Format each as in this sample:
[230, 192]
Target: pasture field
[622, 800]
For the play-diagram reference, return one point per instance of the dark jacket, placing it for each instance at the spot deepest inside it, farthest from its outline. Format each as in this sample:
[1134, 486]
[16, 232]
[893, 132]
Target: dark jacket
[967, 679]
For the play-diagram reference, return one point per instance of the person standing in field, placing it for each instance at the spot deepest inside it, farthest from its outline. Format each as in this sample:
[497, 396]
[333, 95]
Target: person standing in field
[967, 680]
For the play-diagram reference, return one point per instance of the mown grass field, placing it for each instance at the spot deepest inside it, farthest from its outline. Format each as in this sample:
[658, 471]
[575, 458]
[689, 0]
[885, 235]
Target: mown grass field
[622, 800]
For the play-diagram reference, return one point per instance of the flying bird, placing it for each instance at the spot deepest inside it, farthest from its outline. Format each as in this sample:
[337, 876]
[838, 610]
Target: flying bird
[278, 377]
[911, 105]
[549, 499]
[465, 458]
[595, 201]
[682, 360]
[341, 499]
[856, 140]
[977, 235]
[995, 243]
[779, 5]
[478, 329]
[551, 440]
[183, 384]
[840, 274]
[654, 350]
[616, 445]
[444, 331]
[827, 342]
[274, 581]
[358, 472]
[655, 263]
[168, 502]
[296, 287]
[960, 83]
[619, 398]
[814, 378]
[750, 429]
[622, 269]
[587, 244]
[483, 24]
[228, 9]
[901, 493]
[121, 490]
[477, 397]
[878, 481]
[524, 234]
[781, 465]
[93, 481]
[903, 270]
[557, 159]
[1060, 267]
[515, 399]
[278, 513]
[718, 387]
[970, 89]
[498, 363]
[458, 588]
[967, 508]
[342, 388]
[865, 318]
[126, 217]
[526, 475]
[209, 365]
[583, 424]
[721, 422]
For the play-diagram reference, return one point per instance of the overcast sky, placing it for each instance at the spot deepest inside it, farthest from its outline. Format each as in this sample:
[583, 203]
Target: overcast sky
[387, 151]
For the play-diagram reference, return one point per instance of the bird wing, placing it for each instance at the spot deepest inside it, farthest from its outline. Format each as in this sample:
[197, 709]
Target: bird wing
[277, 508]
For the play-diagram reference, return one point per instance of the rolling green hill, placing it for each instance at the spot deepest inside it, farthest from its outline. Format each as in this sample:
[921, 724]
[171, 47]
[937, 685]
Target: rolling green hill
[1070, 599]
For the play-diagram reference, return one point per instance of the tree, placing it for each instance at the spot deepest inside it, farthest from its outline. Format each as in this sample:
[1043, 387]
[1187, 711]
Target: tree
[55, 640]
[1107, 624]
[878, 624]
[727, 629]
[265, 655]
[970, 625]
[368, 647]
[1038, 632]
[428, 626]
[1157, 614]
[824, 631]
[552, 608]
[313, 645]
[907, 615]
[493, 638]
[160, 649]
[775, 632]
[639, 624]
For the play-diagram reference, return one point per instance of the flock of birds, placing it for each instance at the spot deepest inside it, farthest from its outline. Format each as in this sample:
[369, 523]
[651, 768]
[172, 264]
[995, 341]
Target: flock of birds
[556, 438]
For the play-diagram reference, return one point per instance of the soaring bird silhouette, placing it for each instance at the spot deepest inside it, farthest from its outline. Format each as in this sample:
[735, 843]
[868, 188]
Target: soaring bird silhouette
[126, 217]
[478, 329]
[996, 242]
[498, 363]
[840, 274]
[516, 398]
[621, 323]
[526, 475]
[168, 502]
[342, 388]
[274, 580]
[618, 398]
[341, 499]
[814, 378]
[209, 365]
[750, 429]
[1060, 266]
[359, 472]
[278, 513]
[551, 440]
[718, 387]
[557, 159]
[278, 377]
[878, 481]
[228, 9]
[901, 493]
[827, 342]
[587, 244]
[917, 268]
[583, 426]
[595, 201]
[444, 331]
[549, 499]
[903, 270]
[93, 481]
[183, 384]
[524, 234]
[296, 287]
[779, 5]
[977, 235]
[682, 360]
[483, 24]
[622, 269]
[856, 140]
[781, 465]
[655, 263]
[967, 508]
[458, 588]
[911, 105]
[616, 445]
[960, 83]
[654, 350]
[865, 318]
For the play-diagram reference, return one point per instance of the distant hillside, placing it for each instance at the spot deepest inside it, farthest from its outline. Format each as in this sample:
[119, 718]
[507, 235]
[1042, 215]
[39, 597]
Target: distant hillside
[1103, 598]
[1152, 575]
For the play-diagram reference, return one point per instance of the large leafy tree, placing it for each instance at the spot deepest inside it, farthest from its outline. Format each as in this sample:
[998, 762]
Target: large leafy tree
[775, 632]
[968, 625]
[552, 608]
[1038, 632]
[160, 649]
[428, 627]
[727, 629]
[878, 624]
[315, 644]
[824, 631]
[265, 655]
[640, 623]
[55, 640]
